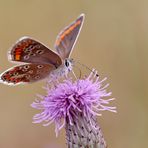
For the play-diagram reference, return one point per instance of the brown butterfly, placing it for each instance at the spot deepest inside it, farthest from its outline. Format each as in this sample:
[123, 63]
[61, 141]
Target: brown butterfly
[40, 61]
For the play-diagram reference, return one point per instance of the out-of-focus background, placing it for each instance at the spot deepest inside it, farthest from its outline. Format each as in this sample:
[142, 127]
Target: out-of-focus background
[114, 40]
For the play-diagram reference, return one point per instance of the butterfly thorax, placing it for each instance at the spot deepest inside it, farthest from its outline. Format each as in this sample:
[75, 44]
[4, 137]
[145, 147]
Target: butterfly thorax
[62, 70]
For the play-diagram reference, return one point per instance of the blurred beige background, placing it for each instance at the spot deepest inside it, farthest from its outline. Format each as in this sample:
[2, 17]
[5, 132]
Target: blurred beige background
[114, 40]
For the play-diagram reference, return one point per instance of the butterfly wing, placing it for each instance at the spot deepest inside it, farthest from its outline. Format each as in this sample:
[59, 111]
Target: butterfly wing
[26, 73]
[66, 39]
[31, 51]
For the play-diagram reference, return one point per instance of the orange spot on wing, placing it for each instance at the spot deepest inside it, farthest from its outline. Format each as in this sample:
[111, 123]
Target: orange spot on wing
[17, 80]
[12, 79]
[17, 53]
[67, 31]
[17, 57]
[7, 76]
[18, 50]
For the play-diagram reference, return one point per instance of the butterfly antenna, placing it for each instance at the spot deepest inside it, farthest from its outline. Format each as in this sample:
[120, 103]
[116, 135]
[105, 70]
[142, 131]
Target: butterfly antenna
[80, 73]
[74, 74]
[87, 68]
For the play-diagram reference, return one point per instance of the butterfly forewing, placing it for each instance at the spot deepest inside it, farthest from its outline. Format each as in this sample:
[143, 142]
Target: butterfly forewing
[40, 60]
[66, 39]
[31, 51]
[26, 73]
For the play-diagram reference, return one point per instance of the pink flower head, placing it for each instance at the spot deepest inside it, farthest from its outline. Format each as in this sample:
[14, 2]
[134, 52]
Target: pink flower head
[67, 98]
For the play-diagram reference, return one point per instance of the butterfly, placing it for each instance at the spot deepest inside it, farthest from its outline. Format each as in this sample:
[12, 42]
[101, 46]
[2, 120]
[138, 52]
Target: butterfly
[38, 60]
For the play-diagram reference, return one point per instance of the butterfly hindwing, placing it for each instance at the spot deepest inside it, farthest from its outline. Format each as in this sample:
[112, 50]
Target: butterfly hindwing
[40, 60]
[31, 51]
[66, 39]
[26, 73]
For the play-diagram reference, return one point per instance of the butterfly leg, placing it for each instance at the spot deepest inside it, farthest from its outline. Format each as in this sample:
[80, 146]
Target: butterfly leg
[74, 74]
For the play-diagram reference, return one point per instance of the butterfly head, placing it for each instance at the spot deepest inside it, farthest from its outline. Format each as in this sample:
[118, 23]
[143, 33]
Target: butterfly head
[69, 64]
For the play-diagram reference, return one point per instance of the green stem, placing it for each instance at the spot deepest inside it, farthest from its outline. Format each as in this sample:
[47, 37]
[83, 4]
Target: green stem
[82, 134]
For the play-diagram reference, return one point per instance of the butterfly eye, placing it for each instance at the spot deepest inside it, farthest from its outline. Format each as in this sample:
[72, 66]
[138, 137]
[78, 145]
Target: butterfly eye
[66, 63]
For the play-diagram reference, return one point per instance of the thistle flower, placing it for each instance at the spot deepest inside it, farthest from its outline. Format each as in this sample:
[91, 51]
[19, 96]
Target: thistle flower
[75, 105]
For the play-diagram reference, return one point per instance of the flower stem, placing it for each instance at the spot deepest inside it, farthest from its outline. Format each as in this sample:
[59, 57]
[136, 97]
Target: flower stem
[84, 133]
